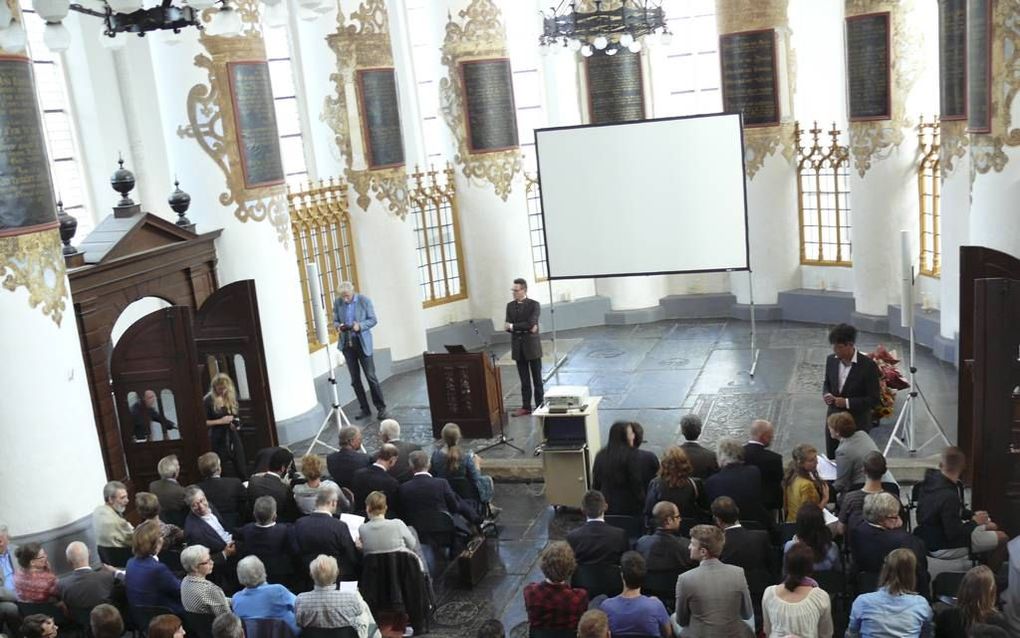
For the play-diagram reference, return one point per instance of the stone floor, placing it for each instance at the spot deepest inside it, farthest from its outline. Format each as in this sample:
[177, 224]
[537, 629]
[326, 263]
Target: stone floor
[653, 373]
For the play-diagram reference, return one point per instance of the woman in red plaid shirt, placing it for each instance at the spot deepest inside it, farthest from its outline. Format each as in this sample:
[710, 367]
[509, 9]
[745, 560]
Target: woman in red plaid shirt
[35, 583]
[553, 603]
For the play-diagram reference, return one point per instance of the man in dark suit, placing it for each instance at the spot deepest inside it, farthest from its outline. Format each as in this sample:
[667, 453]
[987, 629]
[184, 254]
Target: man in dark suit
[851, 382]
[525, 344]
[343, 463]
[750, 549]
[647, 461]
[272, 484]
[769, 463]
[739, 481]
[225, 493]
[321, 533]
[377, 477]
[84, 588]
[666, 549]
[597, 542]
[203, 526]
[427, 493]
[703, 461]
[169, 492]
[881, 532]
[266, 537]
[389, 432]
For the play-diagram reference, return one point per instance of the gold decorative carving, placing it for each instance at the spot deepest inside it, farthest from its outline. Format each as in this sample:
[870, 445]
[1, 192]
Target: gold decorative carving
[481, 36]
[762, 142]
[734, 16]
[987, 150]
[953, 145]
[211, 122]
[362, 43]
[35, 261]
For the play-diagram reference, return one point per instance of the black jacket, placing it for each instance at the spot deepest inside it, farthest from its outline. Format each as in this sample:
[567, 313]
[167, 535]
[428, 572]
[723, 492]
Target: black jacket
[648, 466]
[429, 493]
[861, 388]
[750, 549]
[598, 542]
[228, 495]
[770, 464]
[320, 533]
[869, 545]
[374, 478]
[703, 460]
[172, 507]
[277, 540]
[401, 470]
[620, 483]
[689, 498]
[343, 464]
[942, 521]
[523, 316]
[666, 551]
[394, 581]
[273, 485]
[742, 483]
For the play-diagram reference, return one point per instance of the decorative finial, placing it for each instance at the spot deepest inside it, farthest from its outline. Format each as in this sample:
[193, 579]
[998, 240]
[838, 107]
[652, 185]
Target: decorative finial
[180, 202]
[123, 181]
[68, 227]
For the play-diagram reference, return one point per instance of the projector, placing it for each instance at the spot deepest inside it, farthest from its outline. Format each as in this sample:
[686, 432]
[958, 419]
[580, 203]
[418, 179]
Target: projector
[566, 397]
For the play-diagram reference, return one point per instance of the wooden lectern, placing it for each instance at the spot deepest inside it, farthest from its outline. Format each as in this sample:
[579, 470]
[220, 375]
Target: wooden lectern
[466, 389]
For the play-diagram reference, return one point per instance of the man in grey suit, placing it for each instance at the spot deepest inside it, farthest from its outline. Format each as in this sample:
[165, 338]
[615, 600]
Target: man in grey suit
[389, 432]
[354, 318]
[84, 588]
[712, 599]
[169, 492]
[525, 344]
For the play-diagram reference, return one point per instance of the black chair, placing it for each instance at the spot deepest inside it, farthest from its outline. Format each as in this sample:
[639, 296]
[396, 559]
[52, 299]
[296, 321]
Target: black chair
[786, 532]
[598, 579]
[436, 529]
[142, 615]
[947, 584]
[833, 582]
[551, 633]
[661, 583]
[172, 559]
[333, 632]
[633, 525]
[46, 609]
[866, 582]
[198, 625]
[115, 556]
[266, 628]
[83, 618]
[758, 580]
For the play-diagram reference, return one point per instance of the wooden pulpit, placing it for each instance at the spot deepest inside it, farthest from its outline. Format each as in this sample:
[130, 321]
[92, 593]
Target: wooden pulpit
[466, 389]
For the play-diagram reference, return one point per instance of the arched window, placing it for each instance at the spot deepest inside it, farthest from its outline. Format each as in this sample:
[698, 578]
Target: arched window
[822, 198]
[433, 210]
[692, 59]
[282, 71]
[928, 190]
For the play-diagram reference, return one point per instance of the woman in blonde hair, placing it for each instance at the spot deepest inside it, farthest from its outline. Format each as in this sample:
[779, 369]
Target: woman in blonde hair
[801, 483]
[221, 411]
[451, 461]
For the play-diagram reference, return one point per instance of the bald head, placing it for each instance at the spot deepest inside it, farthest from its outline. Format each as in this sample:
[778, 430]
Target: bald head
[762, 432]
[77, 554]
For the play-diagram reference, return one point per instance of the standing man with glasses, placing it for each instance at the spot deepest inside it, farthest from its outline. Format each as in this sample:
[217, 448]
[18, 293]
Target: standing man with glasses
[525, 344]
[354, 318]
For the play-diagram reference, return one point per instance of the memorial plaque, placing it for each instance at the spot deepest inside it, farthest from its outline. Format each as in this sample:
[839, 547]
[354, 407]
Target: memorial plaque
[615, 92]
[750, 82]
[979, 66]
[380, 118]
[26, 189]
[868, 68]
[953, 59]
[258, 139]
[489, 101]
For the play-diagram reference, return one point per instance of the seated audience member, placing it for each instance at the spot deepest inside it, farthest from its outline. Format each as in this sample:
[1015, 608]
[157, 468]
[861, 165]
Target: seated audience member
[596, 541]
[312, 468]
[148, 582]
[265, 537]
[8, 598]
[851, 507]
[376, 478]
[349, 458]
[108, 522]
[149, 509]
[648, 463]
[491, 628]
[895, 609]
[769, 463]
[617, 474]
[593, 624]
[204, 527]
[427, 493]
[665, 549]
[321, 533]
[703, 460]
[553, 603]
[198, 595]
[226, 493]
[948, 529]
[797, 606]
[453, 462]
[379, 534]
[146, 412]
[38, 626]
[169, 492]
[749, 549]
[227, 626]
[165, 626]
[272, 483]
[676, 485]
[35, 582]
[326, 607]
[738, 481]
[880, 533]
[853, 446]
[712, 599]
[815, 535]
[105, 621]
[389, 432]
[975, 604]
[84, 587]
[801, 483]
[260, 599]
[631, 613]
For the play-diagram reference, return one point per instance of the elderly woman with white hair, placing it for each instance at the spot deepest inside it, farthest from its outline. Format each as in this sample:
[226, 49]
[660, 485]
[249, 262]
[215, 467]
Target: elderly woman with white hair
[198, 594]
[326, 607]
[739, 481]
[260, 599]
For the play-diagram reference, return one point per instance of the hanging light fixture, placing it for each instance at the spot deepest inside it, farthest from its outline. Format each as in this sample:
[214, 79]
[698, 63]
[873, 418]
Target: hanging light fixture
[599, 27]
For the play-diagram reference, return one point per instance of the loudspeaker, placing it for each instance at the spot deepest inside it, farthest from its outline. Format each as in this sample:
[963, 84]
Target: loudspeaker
[318, 312]
[906, 280]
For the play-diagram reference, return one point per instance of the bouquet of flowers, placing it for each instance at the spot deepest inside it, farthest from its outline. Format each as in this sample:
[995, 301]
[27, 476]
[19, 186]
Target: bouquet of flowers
[890, 380]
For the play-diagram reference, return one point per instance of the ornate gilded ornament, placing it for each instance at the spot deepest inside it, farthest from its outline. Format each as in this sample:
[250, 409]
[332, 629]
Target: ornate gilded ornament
[35, 261]
[480, 37]
[987, 150]
[212, 124]
[953, 145]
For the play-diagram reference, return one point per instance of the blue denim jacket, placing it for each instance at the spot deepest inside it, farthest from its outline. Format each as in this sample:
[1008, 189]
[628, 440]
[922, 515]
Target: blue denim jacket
[882, 615]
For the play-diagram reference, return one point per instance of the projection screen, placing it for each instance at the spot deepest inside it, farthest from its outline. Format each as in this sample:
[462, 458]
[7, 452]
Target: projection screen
[651, 197]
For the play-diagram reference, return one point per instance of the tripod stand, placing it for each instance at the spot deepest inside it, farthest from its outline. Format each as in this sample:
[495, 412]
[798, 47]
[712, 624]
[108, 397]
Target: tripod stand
[336, 413]
[905, 421]
[502, 439]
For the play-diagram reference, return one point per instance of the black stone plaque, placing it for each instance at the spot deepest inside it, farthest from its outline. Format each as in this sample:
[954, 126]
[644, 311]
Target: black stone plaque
[615, 92]
[489, 102]
[953, 59]
[868, 76]
[26, 189]
[258, 139]
[979, 66]
[750, 83]
[380, 118]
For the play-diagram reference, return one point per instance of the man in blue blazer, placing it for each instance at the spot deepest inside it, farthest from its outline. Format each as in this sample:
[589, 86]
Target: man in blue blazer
[354, 318]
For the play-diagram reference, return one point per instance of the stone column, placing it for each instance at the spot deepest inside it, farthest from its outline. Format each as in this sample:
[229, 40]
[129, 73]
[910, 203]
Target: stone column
[47, 418]
[201, 115]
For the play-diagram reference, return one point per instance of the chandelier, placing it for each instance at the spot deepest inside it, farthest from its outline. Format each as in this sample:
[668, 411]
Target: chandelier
[602, 29]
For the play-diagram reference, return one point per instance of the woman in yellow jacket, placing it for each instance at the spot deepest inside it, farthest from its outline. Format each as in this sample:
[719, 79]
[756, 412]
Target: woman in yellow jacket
[801, 483]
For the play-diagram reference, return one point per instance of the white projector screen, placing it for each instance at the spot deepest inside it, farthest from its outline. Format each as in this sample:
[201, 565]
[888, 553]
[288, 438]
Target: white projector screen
[640, 198]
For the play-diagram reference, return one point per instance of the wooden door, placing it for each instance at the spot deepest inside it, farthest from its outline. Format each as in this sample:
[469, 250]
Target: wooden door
[228, 337]
[996, 416]
[157, 354]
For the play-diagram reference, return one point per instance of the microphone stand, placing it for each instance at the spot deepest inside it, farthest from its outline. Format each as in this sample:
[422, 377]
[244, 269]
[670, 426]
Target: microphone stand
[502, 439]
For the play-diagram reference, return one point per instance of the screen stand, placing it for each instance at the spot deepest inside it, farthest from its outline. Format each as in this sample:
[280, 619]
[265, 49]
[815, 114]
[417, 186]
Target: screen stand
[754, 344]
[557, 359]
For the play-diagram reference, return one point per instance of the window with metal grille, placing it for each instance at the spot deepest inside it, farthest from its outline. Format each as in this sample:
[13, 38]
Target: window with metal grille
[288, 115]
[536, 225]
[433, 210]
[692, 58]
[928, 190]
[822, 198]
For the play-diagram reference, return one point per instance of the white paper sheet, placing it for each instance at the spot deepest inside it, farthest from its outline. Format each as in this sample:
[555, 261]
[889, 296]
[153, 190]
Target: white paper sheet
[354, 524]
[826, 468]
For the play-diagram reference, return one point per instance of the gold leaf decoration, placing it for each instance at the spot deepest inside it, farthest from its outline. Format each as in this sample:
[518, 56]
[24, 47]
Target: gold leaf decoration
[986, 149]
[35, 261]
[953, 145]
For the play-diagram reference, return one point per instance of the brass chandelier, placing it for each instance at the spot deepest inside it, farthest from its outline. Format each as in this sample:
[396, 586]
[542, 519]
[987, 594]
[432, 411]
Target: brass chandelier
[595, 27]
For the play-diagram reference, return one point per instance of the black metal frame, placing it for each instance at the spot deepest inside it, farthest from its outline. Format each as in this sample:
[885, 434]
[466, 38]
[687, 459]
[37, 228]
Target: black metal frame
[636, 17]
[165, 16]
